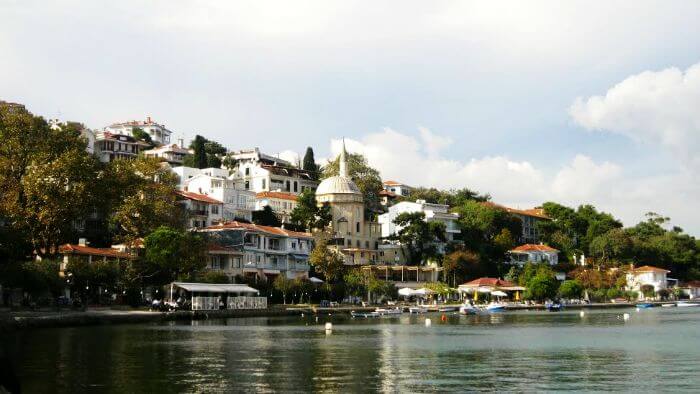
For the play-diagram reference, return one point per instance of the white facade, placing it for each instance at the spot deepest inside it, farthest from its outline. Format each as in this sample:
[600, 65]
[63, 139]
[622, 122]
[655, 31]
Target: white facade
[173, 154]
[159, 134]
[110, 146]
[531, 253]
[397, 188]
[433, 212]
[212, 182]
[647, 275]
[259, 172]
[202, 210]
[282, 204]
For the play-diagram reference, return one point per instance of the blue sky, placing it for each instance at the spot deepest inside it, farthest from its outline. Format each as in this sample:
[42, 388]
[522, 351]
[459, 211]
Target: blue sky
[491, 84]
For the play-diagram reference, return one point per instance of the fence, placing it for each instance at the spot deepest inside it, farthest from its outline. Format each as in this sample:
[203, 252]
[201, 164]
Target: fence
[200, 303]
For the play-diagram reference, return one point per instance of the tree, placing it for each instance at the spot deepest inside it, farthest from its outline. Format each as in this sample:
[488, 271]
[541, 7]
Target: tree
[451, 197]
[571, 289]
[325, 260]
[365, 177]
[647, 291]
[541, 287]
[141, 135]
[418, 236]
[488, 229]
[309, 163]
[199, 159]
[213, 277]
[307, 215]
[266, 217]
[284, 285]
[206, 153]
[614, 245]
[172, 254]
[465, 264]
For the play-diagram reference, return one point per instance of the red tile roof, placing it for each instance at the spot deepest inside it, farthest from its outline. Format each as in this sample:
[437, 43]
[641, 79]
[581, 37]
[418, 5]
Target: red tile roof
[387, 193]
[198, 197]
[648, 268]
[534, 248]
[90, 251]
[279, 195]
[534, 212]
[489, 282]
[393, 183]
[259, 228]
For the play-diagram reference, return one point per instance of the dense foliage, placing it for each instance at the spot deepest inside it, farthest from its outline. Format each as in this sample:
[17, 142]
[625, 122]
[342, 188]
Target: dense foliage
[365, 177]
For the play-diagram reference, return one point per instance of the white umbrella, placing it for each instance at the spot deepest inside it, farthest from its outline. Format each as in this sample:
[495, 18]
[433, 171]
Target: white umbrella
[407, 292]
[424, 291]
[314, 279]
[499, 293]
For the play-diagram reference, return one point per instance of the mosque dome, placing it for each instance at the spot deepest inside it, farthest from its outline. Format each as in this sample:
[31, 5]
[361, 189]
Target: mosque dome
[341, 183]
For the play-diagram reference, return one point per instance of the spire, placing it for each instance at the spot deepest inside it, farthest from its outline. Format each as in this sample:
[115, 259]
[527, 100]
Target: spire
[343, 162]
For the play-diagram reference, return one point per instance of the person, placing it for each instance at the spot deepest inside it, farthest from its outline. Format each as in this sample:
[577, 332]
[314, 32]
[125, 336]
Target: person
[221, 303]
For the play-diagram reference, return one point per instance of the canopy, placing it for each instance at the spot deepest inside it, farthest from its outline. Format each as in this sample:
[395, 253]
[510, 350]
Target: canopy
[498, 293]
[423, 291]
[474, 289]
[314, 279]
[407, 292]
[215, 288]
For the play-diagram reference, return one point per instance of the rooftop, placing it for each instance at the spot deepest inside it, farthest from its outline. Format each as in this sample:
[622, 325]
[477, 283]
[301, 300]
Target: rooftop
[533, 212]
[279, 195]
[198, 197]
[534, 248]
[648, 268]
[90, 251]
[234, 225]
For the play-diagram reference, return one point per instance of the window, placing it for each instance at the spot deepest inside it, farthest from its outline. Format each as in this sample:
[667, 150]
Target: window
[287, 185]
[247, 171]
[247, 185]
[295, 186]
[357, 227]
[294, 245]
[263, 184]
[215, 209]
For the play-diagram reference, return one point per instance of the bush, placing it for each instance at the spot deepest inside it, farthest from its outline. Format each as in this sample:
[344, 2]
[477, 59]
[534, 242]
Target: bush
[663, 293]
[613, 293]
[647, 290]
[571, 289]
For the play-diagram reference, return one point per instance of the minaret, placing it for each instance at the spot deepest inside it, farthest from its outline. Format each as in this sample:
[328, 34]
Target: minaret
[343, 170]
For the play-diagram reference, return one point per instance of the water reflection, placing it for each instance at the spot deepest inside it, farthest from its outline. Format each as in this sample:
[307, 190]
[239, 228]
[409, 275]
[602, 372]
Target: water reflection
[655, 350]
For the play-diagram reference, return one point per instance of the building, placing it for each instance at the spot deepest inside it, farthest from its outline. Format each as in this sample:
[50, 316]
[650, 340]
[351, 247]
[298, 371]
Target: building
[83, 252]
[691, 289]
[433, 213]
[202, 210]
[494, 286]
[109, 146]
[159, 134]
[215, 183]
[282, 204]
[260, 252]
[531, 253]
[356, 238]
[647, 276]
[529, 218]
[172, 154]
[262, 173]
[386, 198]
[397, 188]
[87, 134]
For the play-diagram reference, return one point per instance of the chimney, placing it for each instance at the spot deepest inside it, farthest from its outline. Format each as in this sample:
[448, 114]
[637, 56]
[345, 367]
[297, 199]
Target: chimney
[148, 119]
[82, 242]
[181, 142]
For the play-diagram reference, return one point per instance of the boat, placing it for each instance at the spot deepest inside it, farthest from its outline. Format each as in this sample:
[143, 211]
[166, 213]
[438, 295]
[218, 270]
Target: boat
[417, 309]
[668, 305]
[686, 304]
[389, 311]
[554, 307]
[645, 305]
[451, 308]
[468, 309]
[365, 315]
[495, 307]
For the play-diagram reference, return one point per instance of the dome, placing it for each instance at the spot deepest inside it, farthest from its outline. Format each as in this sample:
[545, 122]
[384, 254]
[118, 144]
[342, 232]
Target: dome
[337, 185]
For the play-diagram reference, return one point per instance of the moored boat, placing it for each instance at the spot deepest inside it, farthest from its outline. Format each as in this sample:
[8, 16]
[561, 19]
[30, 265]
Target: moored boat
[686, 304]
[365, 315]
[417, 309]
[495, 307]
[554, 307]
[389, 311]
[645, 305]
[451, 308]
[468, 309]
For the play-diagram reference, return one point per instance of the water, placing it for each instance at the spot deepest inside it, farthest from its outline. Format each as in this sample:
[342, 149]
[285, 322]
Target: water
[656, 350]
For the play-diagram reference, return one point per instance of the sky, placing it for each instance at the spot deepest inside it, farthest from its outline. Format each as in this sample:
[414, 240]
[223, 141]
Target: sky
[575, 102]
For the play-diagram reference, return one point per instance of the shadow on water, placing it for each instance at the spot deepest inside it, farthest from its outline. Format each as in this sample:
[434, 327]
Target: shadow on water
[521, 351]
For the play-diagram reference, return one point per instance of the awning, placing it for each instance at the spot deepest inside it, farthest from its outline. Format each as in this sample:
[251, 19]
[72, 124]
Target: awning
[300, 256]
[215, 288]
[499, 293]
[407, 292]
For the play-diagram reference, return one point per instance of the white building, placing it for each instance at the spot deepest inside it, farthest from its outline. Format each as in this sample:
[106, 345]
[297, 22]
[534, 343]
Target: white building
[214, 183]
[532, 253]
[173, 154]
[529, 219]
[263, 173]
[262, 252]
[646, 275]
[159, 134]
[397, 188]
[433, 213]
[202, 210]
[110, 146]
[282, 204]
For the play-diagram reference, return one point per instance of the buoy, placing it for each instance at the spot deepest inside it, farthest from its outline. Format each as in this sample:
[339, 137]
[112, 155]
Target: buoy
[329, 326]
[302, 315]
[582, 313]
[428, 323]
[637, 309]
[443, 318]
[626, 316]
[329, 314]
[316, 319]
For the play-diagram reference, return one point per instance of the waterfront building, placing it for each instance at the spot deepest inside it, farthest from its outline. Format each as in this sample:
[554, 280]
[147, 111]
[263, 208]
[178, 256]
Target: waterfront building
[282, 204]
[109, 146]
[172, 154]
[533, 253]
[215, 183]
[81, 251]
[482, 286]
[260, 252]
[160, 135]
[691, 289]
[201, 210]
[263, 173]
[647, 276]
[529, 219]
[398, 188]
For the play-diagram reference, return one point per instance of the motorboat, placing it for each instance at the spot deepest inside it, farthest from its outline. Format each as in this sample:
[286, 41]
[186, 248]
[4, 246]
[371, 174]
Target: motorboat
[645, 305]
[417, 309]
[668, 305]
[365, 315]
[451, 308]
[554, 307]
[389, 311]
[468, 309]
[686, 304]
[495, 307]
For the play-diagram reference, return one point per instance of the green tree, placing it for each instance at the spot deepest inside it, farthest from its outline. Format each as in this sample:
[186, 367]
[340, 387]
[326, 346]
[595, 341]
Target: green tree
[365, 177]
[213, 277]
[325, 260]
[307, 215]
[465, 265]
[284, 285]
[418, 237]
[309, 163]
[172, 254]
[614, 245]
[542, 286]
[141, 135]
[488, 229]
[452, 197]
[571, 289]
[266, 217]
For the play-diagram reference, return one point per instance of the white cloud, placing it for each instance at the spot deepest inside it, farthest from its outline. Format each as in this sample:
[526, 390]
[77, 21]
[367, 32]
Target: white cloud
[290, 156]
[583, 179]
[656, 108]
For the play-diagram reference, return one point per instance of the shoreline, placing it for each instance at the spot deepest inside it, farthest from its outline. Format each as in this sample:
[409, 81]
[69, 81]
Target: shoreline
[11, 321]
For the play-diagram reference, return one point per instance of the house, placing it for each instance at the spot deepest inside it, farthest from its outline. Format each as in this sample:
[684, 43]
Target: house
[386, 198]
[397, 188]
[109, 146]
[172, 154]
[646, 276]
[260, 173]
[202, 210]
[81, 251]
[262, 252]
[433, 213]
[215, 183]
[282, 204]
[691, 289]
[480, 286]
[160, 135]
[529, 219]
[533, 253]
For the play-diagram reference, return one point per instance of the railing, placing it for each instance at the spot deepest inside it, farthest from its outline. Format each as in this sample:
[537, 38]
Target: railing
[202, 303]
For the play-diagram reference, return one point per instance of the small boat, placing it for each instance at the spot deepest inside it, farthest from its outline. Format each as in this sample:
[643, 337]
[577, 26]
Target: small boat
[554, 307]
[686, 304]
[452, 308]
[417, 309]
[468, 309]
[668, 305]
[389, 311]
[644, 305]
[494, 307]
[365, 315]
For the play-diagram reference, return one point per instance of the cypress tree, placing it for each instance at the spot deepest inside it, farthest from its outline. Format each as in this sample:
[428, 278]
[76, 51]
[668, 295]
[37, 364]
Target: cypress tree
[309, 163]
